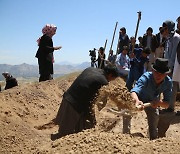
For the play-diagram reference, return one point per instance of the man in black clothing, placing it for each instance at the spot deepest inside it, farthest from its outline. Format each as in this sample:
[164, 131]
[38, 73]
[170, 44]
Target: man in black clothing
[76, 109]
[123, 39]
[10, 80]
[45, 52]
[101, 58]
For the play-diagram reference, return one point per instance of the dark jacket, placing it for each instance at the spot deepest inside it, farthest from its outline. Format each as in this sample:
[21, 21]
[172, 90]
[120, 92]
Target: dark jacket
[10, 82]
[154, 43]
[82, 92]
[123, 41]
[99, 61]
[158, 40]
[178, 52]
[138, 61]
[45, 55]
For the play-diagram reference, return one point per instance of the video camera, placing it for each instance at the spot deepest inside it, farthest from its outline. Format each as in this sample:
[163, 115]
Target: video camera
[92, 53]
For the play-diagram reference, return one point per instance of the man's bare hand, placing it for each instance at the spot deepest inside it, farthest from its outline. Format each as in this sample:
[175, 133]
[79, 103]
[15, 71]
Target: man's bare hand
[139, 105]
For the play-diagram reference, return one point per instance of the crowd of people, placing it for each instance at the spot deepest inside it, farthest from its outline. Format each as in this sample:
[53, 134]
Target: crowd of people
[150, 68]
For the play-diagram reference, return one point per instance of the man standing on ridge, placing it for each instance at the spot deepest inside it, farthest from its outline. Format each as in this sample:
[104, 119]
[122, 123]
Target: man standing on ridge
[123, 40]
[45, 52]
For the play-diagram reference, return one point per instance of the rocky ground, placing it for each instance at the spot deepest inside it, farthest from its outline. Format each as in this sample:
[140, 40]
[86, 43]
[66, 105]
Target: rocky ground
[27, 110]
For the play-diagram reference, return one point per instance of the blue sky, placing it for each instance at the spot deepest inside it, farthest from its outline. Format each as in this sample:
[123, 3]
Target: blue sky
[82, 25]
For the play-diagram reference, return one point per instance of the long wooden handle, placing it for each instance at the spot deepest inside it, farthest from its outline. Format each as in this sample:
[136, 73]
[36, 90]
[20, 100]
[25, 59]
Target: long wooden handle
[137, 26]
[113, 39]
[145, 105]
[117, 46]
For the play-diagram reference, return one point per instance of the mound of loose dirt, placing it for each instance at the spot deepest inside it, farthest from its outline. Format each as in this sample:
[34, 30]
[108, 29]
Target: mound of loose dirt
[118, 94]
[26, 112]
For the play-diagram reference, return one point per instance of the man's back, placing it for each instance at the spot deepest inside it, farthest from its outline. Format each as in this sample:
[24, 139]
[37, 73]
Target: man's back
[84, 88]
[11, 82]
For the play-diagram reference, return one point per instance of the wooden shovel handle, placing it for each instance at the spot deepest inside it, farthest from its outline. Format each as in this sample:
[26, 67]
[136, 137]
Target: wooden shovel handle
[145, 105]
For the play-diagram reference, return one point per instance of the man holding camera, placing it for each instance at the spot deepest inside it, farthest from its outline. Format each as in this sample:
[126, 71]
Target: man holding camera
[92, 53]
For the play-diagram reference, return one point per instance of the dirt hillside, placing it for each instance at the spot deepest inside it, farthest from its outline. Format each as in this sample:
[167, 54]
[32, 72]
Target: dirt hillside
[25, 110]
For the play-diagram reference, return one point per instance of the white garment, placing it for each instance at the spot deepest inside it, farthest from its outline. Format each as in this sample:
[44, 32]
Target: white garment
[149, 41]
[176, 72]
[159, 53]
[152, 59]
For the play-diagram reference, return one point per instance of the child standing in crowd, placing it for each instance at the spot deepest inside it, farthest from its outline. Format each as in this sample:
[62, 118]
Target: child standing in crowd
[137, 66]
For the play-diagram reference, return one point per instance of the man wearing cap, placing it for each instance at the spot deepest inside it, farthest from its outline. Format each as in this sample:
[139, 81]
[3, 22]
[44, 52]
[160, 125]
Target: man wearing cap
[10, 80]
[172, 40]
[76, 110]
[148, 89]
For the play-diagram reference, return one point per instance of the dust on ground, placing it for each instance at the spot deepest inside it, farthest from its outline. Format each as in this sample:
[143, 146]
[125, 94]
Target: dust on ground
[26, 113]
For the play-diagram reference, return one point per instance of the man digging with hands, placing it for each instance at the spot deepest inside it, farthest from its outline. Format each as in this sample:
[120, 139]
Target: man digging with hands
[148, 89]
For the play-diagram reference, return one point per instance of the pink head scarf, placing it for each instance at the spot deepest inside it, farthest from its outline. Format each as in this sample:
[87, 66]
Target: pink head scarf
[48, 29]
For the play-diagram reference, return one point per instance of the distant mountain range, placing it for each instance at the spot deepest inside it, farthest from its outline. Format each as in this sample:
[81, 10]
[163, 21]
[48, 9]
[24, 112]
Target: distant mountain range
[29, 71]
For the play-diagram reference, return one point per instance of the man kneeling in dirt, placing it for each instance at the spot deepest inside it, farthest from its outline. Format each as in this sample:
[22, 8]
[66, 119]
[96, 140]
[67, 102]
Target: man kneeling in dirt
[148, 89]
[76, 110]
[10, 80]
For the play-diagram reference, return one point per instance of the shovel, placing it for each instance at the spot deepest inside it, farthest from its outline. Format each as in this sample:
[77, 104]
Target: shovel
[127, 112]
